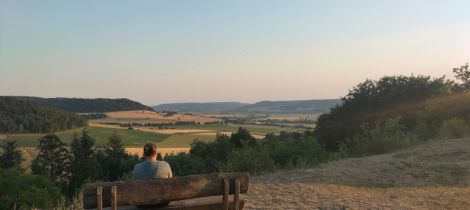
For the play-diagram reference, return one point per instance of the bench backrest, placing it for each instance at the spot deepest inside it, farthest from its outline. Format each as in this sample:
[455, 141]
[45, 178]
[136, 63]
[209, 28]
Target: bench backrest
[154, 191]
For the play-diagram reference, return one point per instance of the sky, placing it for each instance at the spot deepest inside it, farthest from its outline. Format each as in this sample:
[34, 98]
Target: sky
[206, 51]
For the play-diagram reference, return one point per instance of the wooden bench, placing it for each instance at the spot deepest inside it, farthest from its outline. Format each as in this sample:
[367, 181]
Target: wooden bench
[179, 191]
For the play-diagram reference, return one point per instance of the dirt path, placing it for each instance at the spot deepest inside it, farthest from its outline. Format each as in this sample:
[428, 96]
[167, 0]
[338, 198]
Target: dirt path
[435, 175]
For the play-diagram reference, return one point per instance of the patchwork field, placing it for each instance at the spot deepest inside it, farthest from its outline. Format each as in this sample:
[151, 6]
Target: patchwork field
[435, 175]
[172, 139]
[144, 116]
[101, 135]
[177, 136]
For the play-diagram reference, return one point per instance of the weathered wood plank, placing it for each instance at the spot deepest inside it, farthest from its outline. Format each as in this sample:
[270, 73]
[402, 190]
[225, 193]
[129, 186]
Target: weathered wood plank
[236, 196]
[137, 192]
[204, 206]
[99, 198]
[225, 195]
[114, 198]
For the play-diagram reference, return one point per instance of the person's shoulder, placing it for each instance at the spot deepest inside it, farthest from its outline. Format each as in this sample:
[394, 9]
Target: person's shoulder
[139, 164]
[162, 162]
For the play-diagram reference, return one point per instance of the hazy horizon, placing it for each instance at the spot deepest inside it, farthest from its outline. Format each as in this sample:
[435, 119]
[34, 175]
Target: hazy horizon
[215, 51]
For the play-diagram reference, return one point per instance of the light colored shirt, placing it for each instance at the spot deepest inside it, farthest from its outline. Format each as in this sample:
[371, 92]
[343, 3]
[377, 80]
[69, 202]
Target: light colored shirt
[151, 169]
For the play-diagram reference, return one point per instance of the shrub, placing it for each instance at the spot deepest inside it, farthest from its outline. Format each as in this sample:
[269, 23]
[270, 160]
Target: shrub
[385, 136]
[294, 150]
[24, 191]
[254, 161]
[454, 128]
[183, 164]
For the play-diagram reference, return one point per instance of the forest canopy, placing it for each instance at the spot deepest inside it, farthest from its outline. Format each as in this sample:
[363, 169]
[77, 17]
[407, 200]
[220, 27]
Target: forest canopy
[87, 105]
[20, 116]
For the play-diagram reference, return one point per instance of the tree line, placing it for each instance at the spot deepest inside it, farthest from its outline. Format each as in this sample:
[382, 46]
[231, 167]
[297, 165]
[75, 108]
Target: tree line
[88, 105]
[60, 170]
[418, 106]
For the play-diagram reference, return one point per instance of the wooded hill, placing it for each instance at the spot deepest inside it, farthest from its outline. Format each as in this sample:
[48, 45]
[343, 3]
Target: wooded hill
[281, 107]
[86, 105]
[22, 116]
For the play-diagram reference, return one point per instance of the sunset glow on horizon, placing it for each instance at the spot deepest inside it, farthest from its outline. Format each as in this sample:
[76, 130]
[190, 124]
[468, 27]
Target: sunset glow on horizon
[205, 51]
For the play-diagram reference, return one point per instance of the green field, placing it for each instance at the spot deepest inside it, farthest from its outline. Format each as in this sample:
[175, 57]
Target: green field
[129, 137]
[255, 129]
[183, 140]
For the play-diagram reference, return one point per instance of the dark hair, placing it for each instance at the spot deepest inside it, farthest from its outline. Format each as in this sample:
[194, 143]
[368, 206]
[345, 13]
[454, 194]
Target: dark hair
[150, 149]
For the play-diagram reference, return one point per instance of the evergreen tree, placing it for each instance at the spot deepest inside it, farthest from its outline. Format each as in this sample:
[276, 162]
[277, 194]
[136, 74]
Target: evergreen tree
[53, 159]
[84, 166]
[10, 157]
[114, 162]
[243, 139]
[115, 143]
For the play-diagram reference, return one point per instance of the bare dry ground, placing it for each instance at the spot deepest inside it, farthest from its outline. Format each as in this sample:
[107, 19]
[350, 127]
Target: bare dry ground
[164, 151]
[144, 116]
[435, 175]
[28, 154]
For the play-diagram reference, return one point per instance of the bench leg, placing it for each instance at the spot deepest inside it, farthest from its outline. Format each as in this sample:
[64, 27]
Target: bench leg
[114, 198]
[236, 196]
[226, 191]
[99, 198]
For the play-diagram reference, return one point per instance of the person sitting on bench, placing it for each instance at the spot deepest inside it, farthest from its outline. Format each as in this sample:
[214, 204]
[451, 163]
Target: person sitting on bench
[151, 167]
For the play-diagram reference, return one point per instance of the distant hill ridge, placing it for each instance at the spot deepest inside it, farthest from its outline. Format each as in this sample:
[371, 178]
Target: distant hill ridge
[88, 104]
[298, 106]
[199, 107]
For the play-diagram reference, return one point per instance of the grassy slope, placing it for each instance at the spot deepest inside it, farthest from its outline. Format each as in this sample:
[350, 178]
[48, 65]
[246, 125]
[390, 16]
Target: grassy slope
[435, 175]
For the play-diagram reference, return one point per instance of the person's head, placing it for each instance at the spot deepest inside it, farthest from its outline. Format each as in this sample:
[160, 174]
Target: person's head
[150, 151]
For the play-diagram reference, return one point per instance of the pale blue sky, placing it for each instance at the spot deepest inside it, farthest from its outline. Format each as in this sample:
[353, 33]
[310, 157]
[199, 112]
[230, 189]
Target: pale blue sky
[181, 51]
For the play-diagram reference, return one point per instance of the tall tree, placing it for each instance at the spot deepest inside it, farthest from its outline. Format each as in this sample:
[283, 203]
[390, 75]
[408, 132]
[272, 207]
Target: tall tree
[11, 156]
[243, 139]
[53, 159]
[113, 161]
[84, 166]
[463, 75]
